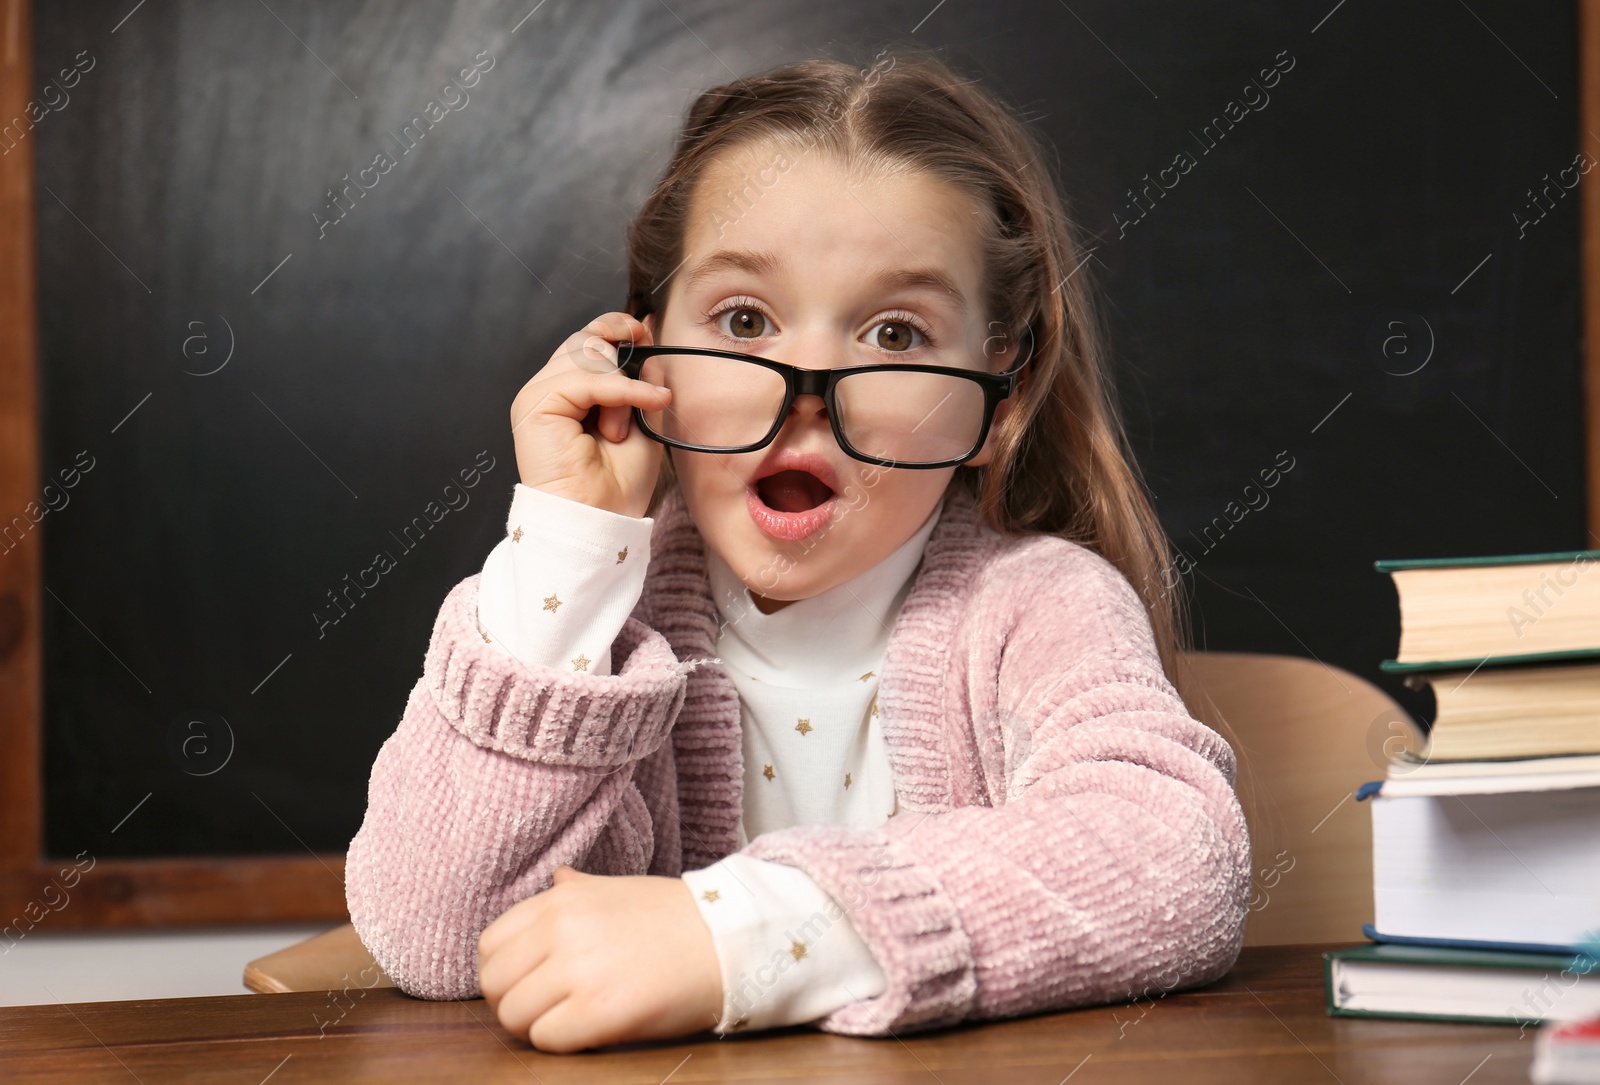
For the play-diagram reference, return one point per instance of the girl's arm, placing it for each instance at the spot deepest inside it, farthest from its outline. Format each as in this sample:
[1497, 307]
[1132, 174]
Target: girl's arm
[500, 772]
[591, 563]
[497, 774]
[1114, 860]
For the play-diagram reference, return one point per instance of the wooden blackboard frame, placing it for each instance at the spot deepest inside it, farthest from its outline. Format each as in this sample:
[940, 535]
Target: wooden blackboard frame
[59, 894]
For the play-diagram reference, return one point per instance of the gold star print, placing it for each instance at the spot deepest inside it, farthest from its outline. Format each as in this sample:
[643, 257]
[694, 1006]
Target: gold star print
[622, 555]
[874, 704]
[797, 950]
[768, 773]
[803, 726]
[581, 664]
[866, 676]
[551, 602]
[711, 894]
[516, 536]
[486, 639]
[847, 780]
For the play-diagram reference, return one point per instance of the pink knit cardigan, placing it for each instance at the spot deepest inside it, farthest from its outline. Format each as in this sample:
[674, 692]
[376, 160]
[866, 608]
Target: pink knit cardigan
[1067, 833]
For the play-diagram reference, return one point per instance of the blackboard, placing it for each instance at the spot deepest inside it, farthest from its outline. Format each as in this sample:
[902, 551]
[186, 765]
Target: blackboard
[256, 378]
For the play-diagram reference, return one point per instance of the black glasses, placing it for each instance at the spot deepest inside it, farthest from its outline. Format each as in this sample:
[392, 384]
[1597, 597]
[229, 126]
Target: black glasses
[894, 414]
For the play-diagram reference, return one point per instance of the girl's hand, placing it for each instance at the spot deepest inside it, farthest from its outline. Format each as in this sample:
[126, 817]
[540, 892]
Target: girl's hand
[601, 960]
[605, 463]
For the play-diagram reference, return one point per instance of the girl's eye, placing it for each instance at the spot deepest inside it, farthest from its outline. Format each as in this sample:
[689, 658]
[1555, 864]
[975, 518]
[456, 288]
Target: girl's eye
[745, 323]
[897, 335]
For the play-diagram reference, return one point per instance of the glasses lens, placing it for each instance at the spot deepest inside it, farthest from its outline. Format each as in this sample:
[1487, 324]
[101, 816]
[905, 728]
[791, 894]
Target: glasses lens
[719, 403]
[909, 416]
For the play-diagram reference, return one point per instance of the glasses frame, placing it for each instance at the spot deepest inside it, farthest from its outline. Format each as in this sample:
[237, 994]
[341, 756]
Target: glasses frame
[799, 381]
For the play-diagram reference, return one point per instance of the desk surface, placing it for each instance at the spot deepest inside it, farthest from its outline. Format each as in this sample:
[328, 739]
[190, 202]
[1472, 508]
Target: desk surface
[1263, 1023]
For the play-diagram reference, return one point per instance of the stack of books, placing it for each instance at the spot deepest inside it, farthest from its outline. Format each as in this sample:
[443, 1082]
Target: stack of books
[1486, 842]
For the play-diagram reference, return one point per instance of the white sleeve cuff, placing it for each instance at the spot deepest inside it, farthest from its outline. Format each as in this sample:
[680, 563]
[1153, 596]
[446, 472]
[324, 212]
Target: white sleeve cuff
[557, 589]
[787, 951]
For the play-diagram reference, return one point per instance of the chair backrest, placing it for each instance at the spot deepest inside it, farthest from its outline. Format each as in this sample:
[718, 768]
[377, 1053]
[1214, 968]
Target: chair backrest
[1307, 736]
[334, 960]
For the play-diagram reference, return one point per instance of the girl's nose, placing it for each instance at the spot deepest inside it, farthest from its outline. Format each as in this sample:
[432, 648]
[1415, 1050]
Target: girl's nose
[808, 416]
[808, 407]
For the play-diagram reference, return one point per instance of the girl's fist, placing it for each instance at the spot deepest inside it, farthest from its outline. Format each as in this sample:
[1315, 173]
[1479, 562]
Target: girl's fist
[594, 961]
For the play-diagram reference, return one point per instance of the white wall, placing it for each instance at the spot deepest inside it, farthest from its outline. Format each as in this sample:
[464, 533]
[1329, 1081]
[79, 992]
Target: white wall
[101, 966]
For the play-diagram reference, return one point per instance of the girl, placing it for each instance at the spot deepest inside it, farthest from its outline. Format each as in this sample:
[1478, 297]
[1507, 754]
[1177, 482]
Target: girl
[797, 695]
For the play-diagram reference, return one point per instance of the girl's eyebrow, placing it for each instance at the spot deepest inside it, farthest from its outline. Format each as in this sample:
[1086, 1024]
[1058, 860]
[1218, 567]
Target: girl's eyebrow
[921, 278]
[767, 263]
[755, 263]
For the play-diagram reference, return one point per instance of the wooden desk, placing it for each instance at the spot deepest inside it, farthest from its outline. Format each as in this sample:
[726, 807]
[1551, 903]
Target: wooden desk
[1263, 1023]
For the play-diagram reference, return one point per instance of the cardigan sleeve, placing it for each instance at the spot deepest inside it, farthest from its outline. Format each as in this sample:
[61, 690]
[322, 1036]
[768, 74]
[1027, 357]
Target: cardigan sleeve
[1105, 856]
[498, 773]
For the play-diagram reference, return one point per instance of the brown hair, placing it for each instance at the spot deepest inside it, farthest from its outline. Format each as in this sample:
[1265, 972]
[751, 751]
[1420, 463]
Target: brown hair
[1061, 462]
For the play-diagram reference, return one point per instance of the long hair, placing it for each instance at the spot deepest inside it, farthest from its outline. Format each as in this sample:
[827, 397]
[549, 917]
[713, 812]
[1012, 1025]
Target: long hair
[1061, 462]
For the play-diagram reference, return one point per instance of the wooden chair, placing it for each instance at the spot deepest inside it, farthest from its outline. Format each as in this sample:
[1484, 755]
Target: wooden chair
[330, 961]
[1306, 734]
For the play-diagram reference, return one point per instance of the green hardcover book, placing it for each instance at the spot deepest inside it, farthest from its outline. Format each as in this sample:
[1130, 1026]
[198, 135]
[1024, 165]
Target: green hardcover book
[1467, 612]
[1447, 983]
[1525, 711]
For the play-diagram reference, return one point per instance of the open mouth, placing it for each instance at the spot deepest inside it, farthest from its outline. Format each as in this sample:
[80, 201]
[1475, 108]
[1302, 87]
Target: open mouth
[792, 504]
[792, 491]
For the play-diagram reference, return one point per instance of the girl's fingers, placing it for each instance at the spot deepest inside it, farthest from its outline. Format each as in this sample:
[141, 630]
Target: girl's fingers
[615, 423]
[521, 916]
[501, 971]
[573, 1024]
[599, 354]
[615, 395]
[573, 395]
[509, 924]
[592, 349]
[596, 354]
[619, 327]
[530, 998]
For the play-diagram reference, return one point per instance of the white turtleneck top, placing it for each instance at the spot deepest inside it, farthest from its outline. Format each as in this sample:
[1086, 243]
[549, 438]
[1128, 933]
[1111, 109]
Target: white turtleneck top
[556, 591]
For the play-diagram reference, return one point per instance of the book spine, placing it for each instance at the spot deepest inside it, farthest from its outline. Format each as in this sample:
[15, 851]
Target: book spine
[1389, 565]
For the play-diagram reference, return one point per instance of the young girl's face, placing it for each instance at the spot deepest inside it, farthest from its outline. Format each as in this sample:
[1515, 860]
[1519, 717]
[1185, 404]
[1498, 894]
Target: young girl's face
[790, 258]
